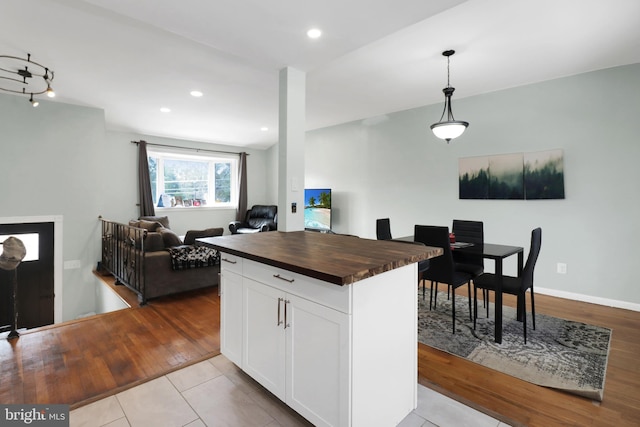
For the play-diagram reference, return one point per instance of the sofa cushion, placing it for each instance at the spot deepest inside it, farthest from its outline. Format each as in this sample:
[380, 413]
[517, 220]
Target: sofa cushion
[169, 237]
[149, 225]
[164, 220]
[192, 235]
[153, 242]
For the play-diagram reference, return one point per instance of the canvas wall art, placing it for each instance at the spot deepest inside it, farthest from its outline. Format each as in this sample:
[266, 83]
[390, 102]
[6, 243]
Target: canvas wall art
[519, 176]
[544, 175]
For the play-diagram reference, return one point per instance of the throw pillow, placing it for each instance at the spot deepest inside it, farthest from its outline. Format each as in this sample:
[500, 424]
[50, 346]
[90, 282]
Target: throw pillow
[164, 220]
[150, 225]
[192, 235]
[169, 237]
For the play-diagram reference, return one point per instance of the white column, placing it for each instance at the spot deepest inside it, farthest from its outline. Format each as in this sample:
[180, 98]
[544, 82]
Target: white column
[291, 141]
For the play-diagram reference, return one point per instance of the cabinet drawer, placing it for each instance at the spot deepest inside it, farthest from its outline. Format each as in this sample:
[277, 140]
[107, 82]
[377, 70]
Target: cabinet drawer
[327, 294]
[231, 263]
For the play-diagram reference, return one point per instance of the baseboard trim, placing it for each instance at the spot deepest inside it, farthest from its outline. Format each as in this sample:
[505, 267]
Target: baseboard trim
[588, 298]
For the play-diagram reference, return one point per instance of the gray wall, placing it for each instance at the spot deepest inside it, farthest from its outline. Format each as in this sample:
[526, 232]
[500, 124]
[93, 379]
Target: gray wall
[58, 160]
[51, 164]
[393, 166]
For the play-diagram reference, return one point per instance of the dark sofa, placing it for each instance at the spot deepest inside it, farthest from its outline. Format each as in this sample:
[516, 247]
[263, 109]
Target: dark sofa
[150, 259]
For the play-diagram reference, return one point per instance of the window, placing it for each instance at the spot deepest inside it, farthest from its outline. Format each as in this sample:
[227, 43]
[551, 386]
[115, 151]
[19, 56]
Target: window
[191, 181]
[31, 242]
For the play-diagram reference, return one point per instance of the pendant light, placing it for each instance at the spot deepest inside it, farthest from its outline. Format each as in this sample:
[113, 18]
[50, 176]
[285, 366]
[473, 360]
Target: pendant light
[451, 128]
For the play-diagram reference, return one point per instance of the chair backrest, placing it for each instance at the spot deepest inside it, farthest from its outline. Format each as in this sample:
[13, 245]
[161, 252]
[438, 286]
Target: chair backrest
[441, 268]
[262, 214]
[383, 229]
[534, 251]
[470, 232]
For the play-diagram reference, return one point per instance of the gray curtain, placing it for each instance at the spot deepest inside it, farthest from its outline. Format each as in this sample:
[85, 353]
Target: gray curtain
[242, 187]
[144, 182]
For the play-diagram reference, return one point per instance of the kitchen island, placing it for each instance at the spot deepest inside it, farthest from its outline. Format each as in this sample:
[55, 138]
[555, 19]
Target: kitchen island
[327, 323]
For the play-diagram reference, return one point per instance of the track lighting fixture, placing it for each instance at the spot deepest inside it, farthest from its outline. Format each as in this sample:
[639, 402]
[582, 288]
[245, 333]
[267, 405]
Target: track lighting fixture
[17, 76]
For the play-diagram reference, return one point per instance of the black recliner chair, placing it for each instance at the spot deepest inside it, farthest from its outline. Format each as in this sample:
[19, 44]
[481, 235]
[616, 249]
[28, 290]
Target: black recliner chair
[258, 218]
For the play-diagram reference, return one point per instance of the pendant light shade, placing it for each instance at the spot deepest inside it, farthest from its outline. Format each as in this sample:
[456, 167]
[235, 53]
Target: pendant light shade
[451, 128]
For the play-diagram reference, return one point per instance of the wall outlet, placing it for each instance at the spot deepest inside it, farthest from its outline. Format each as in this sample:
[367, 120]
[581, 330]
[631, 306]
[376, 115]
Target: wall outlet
[561, 268]
[69, 265]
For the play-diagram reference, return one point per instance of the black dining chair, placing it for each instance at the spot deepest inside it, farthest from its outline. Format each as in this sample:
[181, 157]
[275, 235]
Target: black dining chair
[383, 232]
[466, 262]
[383, 229]
[514, 285]
[442, 269]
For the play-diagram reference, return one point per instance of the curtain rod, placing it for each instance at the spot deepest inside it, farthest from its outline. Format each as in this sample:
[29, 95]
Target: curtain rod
[188, 148]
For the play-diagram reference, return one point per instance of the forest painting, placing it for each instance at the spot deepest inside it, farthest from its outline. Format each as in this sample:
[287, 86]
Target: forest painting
[517, 176]
[474, 177]
[544, 175]
[506, 177]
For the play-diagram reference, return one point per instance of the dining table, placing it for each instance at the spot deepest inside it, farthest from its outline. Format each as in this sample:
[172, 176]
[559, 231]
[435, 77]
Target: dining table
[498, 253]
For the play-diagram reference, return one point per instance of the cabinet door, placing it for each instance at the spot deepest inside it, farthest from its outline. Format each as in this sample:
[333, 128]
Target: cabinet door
[231, 316]
[318, 362]
[264, 336]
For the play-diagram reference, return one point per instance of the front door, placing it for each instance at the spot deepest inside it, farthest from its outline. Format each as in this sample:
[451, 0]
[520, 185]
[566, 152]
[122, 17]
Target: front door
[34, 275]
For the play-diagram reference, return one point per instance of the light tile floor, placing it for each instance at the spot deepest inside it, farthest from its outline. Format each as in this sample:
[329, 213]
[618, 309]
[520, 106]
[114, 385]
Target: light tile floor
[216, 393]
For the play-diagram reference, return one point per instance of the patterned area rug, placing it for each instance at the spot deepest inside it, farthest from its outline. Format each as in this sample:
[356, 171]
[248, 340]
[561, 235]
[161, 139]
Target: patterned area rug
[562, 354]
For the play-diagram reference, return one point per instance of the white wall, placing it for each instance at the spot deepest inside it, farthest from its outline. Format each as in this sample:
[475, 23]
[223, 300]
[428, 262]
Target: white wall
[393, 166]
[57, 160]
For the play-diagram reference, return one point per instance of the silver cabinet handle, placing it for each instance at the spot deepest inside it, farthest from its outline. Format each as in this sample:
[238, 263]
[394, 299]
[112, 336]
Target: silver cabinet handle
[278, 276]
[280, 321]
[229, 261]
[286, 325]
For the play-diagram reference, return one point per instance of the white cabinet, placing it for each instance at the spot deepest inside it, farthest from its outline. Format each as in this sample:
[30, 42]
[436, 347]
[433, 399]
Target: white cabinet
[338, 355]
[298, 350]
[318, 369]
[231, 308]
[264, 338]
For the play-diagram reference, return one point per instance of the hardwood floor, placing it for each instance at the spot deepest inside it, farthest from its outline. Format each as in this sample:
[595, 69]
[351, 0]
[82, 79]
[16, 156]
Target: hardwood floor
[520, 403]
[82, 361]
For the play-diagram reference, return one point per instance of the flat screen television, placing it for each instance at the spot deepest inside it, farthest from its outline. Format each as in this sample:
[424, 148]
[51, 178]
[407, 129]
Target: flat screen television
[317, 209]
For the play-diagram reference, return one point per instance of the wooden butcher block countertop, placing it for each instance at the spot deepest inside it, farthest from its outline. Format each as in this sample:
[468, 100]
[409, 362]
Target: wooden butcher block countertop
[333, 258]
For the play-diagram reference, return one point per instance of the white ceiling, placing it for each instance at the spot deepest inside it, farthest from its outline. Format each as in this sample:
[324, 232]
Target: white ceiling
[375, 56]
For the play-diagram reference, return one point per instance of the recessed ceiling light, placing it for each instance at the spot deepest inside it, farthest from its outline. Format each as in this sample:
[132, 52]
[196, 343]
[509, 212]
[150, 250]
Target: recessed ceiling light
[314, 33]
[264, 128]
[196, 93]
[165, 110]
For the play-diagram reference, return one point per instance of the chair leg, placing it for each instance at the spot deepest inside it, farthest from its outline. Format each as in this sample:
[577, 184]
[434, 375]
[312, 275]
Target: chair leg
[431, 295]
[475, 306]
[524, 318]
[469, 291]
[423, 290]
[435, 295]
[453, 309]
[487, 291]
[533, 310]
[448, 292]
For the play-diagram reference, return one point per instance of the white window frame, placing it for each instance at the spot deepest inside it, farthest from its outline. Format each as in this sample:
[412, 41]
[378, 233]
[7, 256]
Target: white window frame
[212, 158]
